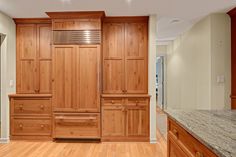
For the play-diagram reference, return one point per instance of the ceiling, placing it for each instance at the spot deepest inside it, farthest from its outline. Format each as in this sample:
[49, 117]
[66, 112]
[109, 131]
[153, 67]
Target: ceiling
[174, 16]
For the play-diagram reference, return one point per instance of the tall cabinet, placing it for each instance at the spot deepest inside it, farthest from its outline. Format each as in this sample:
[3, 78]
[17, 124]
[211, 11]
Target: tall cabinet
[30, 107]
[76, 74]
[125, 99]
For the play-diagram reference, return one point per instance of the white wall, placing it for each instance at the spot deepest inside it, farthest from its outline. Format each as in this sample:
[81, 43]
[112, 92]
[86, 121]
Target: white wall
[152, 76]
[8, 66]
[193, 62]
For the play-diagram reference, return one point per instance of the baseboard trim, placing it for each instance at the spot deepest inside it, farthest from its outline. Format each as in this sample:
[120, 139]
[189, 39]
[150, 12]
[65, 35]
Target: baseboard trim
[4, 140]
[153, 140]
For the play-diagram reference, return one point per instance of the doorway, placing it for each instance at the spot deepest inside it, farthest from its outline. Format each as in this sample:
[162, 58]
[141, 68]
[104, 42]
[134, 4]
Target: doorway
[160, 91]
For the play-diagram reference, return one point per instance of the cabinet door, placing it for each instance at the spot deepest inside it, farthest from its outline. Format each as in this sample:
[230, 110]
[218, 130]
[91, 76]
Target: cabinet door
[89, 78]
[64, 74]
[174, 150]
[113, 118]
[137, 117]
[26, 58]
[113, 58]
[44, 58]
[136, 58]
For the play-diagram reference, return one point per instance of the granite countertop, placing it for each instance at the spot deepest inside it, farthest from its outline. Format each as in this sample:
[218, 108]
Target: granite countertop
[215, 129]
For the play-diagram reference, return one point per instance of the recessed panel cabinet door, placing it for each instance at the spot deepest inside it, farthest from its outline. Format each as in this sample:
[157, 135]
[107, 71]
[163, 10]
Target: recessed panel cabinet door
[136, 73]
[89, 78]
[26, 58]
[113, 120]
[44, 58]
[113, 58]
[64, 74]
[137, 119]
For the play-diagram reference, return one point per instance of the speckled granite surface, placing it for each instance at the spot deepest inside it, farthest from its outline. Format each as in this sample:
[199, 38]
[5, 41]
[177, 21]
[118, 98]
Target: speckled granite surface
[214, 129]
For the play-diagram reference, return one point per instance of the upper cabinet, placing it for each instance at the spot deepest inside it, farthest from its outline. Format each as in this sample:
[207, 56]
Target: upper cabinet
[125, 57]
[33, 58]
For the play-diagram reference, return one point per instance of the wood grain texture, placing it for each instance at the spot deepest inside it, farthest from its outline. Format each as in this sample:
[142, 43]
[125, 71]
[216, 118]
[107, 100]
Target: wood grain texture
[125, 119]
[76, 24]
[113, 58]
[32, 20]
[75, 149]
[76, 14]
[64, 74]
[181, 143]
[26, 58]
[89, 78]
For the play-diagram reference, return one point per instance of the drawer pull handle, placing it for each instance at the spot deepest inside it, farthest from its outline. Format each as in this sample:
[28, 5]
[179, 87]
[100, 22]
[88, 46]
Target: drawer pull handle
[199, 154]
[42, 126]
[176, 133]
[42, 107]
[112, 102]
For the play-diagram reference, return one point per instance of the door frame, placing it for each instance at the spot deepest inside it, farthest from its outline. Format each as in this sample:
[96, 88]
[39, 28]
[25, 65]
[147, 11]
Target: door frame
[4, 99]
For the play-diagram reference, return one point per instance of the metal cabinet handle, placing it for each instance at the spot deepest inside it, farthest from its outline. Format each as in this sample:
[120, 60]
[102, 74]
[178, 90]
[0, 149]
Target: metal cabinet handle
[199, 154]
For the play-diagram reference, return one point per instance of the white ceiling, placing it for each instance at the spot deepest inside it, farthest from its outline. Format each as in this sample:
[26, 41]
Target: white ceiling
[186, 11]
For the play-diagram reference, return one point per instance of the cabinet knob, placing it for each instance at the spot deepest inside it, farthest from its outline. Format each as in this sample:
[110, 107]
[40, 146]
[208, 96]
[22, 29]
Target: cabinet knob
[36, 90]
[21, 126]
[176, 133]
[42, 107]
[199, 154]
[112, 102]
[21, 106]
[124, 91]
[42, 126]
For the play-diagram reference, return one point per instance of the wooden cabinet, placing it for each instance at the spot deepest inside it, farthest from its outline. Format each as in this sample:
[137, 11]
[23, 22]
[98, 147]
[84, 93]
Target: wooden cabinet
[30, 116]
[33, 58]
[73, 125]
[181, 143]
[76, 24]
[125, 118]
[137, 114]
[76, 78]
[125, 57]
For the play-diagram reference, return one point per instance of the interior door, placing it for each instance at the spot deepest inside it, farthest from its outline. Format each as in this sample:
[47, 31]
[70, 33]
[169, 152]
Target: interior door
[89, 78]
[44, 58]
[136, 58]
[113, 58]
[64, 78]
[26, 59]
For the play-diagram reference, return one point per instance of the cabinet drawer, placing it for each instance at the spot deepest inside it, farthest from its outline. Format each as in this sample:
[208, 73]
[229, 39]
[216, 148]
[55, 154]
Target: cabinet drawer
[31, 106]
[77, 125]
[138, 101]
[112, 101]
[30, 126]
[187, 142]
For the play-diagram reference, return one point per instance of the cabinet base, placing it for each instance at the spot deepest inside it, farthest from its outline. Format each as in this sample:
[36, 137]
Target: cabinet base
[125, 139]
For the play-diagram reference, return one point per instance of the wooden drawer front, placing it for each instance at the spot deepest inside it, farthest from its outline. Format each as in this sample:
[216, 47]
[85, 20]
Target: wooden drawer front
[30, 126]
[31, 106]
[187, 142]
[77, 126]
[112, 101]
[77, 24]
[141, 102]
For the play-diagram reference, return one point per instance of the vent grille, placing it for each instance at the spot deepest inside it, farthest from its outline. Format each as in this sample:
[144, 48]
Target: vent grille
[77, 37]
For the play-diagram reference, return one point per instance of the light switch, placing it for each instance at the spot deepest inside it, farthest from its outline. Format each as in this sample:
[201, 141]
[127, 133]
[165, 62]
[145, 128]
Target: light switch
[220, 79]
[11, 83]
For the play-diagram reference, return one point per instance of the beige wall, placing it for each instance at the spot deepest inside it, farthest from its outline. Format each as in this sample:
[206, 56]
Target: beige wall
[8, 51]
[194, 60]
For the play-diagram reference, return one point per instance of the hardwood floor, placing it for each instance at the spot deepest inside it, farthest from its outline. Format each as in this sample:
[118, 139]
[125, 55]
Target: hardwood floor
[69, 149]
